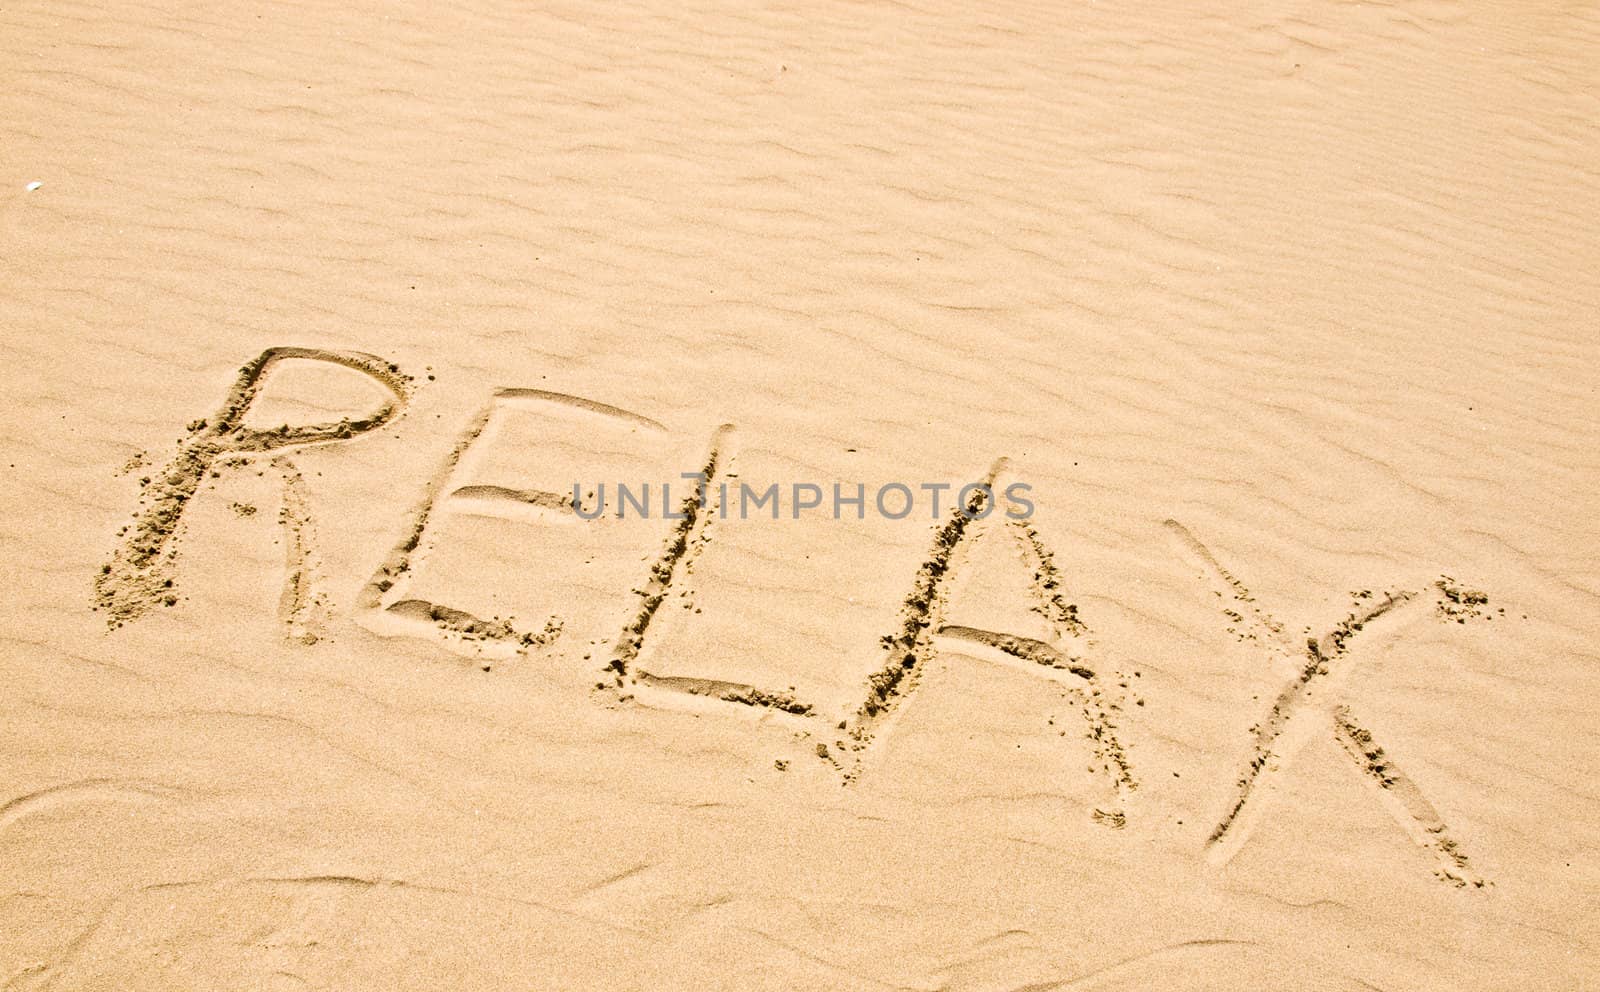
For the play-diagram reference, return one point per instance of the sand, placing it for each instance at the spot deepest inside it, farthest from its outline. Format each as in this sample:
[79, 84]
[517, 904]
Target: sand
[315, 677]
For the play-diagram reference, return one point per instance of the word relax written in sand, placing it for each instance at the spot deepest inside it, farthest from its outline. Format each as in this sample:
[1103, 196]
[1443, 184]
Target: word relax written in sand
[141, 576]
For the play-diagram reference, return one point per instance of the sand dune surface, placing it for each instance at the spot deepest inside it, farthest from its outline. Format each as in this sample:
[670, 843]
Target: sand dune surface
[331, 332]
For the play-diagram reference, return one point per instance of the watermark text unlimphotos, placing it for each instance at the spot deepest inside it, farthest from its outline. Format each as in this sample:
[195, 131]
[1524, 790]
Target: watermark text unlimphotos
[890, 500]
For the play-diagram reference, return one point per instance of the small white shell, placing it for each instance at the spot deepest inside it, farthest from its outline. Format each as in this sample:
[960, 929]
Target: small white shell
[34, 185]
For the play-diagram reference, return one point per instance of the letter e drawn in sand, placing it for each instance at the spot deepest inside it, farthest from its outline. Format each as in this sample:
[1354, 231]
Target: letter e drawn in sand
[1295, 704]
[383, 605]
[142, 571]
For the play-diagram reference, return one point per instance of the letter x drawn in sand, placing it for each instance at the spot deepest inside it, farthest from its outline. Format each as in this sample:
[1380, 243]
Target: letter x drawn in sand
[1311, 696]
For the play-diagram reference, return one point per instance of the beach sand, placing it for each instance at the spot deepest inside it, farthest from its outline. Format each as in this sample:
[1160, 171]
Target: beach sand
[314, 315]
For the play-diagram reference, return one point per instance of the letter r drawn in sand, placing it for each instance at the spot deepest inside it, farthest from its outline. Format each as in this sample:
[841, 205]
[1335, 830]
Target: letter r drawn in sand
[142, 571]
